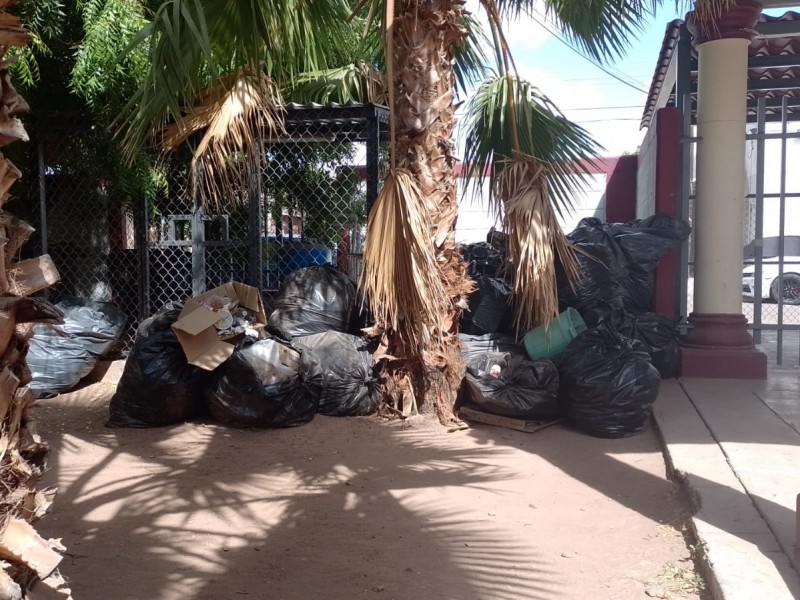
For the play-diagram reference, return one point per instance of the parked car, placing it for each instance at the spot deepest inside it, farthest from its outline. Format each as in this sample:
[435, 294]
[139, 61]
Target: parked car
[772, 286]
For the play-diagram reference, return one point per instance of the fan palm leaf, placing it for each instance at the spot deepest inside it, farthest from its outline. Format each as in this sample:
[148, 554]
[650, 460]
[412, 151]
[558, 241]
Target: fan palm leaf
[194, 43]
[567, 150]
[231, 117]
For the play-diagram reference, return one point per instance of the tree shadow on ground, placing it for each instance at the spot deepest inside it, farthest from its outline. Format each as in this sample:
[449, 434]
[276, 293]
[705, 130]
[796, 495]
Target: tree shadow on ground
[201, 511]
[643, 492]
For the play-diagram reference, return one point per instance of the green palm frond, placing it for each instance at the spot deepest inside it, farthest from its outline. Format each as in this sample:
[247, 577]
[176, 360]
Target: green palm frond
[470, 64]
[356, 82]
[193, 43]
[566, 149]
[603, 28]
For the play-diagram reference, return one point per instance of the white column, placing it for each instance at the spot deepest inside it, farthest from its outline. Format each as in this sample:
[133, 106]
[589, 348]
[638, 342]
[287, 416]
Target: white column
[720, 172]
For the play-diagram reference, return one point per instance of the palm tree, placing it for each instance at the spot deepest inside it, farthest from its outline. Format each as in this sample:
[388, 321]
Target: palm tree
[428, 51]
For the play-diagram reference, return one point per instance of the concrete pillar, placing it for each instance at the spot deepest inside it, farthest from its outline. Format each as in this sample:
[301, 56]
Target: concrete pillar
[719, 210]
[718, 343]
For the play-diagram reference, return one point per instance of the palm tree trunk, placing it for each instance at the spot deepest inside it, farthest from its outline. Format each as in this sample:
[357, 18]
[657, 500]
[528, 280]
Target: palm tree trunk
[426, 33]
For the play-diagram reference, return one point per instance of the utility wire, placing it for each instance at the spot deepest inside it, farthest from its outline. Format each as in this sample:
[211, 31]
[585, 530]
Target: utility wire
[639, 106]
[607, 120]
[542, 22]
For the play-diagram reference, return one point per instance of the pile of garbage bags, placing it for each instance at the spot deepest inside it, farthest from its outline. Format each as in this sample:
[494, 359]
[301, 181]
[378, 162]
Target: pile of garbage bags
[303, 361]
[59, 356]
[306, 358]
[607, 379]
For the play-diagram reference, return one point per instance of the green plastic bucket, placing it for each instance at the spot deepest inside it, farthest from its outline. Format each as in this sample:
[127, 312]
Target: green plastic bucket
[550, 341]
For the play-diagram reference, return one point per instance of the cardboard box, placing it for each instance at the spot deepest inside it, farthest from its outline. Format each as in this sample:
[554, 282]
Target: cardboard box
[196, 331]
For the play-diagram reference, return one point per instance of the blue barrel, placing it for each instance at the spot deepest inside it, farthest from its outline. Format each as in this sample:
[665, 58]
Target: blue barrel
[292, 257]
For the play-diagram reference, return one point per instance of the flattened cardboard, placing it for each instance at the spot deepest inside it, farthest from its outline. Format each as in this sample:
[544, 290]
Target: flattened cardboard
[27, 277]
[195, 327]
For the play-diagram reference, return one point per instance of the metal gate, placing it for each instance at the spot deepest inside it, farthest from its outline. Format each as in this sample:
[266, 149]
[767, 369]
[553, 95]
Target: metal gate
[307, 205]
[771, 252]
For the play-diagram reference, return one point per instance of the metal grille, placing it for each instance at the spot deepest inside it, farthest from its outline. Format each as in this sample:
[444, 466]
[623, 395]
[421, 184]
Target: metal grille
[306, 204]
[771, 235]
[84, 221]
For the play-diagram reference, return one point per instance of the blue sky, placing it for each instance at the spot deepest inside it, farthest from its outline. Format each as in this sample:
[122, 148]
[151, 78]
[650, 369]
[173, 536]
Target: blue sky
[607, 108]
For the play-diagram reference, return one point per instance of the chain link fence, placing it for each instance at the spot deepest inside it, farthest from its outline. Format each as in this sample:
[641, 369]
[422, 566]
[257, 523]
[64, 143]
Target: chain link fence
[306, 205]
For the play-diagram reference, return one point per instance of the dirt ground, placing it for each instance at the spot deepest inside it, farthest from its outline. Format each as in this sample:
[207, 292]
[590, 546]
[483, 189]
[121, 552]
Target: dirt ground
[357, 508]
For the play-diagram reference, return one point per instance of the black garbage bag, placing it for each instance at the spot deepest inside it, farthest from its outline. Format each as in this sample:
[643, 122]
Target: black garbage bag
[635, 249]
[313, 300]
[473, 346]
[657, 334]
[483, 260]
[161, 321]
[608, 384]
[59, 356]
[342, 371]
[241, 398]
[593, 231]
[158, 387]
[524, 389]
[490, 309]
[598, 286]
[647, 241]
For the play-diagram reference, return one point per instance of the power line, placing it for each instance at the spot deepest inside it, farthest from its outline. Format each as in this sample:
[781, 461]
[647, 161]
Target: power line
[607, 120]
[639, 106]
[608, 72]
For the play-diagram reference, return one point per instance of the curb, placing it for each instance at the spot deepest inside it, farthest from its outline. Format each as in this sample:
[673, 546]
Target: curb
[748, 564]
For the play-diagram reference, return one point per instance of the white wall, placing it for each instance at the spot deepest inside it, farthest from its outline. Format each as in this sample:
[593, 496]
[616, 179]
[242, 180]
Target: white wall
[474, 220]
[646, 173]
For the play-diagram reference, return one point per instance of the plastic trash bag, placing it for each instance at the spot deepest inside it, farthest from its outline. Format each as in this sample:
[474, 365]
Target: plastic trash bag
[635, 249]
[98, 324]
[490, 307]
[158, 387]
[608, 384]
[313, 300]
[598, 286]
[59, 356]
[520, 388]
[483, 260]
[647, 241]
[239, 398]
[342, 371]
[264, 356]
[161, 321]
[473, 346]
[57, 362]
[656, 333]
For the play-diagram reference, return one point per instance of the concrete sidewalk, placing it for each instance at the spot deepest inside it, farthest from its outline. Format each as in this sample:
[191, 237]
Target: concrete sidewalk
[736, 446]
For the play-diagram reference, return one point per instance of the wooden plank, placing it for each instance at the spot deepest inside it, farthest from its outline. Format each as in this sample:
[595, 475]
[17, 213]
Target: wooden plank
[477, 416]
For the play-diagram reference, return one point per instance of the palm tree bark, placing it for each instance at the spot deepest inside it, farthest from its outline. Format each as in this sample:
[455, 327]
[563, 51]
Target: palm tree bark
[426, 33]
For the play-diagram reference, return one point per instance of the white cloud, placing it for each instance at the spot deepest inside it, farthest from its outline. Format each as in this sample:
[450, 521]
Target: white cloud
[523, 34]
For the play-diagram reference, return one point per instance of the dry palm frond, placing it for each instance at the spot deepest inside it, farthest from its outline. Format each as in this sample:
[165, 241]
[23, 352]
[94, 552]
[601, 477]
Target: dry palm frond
[232, 116]
[535, 241]
[399, 278]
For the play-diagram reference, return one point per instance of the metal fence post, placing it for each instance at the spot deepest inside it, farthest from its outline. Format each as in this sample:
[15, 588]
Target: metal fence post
[373, 135]
[255, 222]
[198, 252]
[143, 252]
[42, 194]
